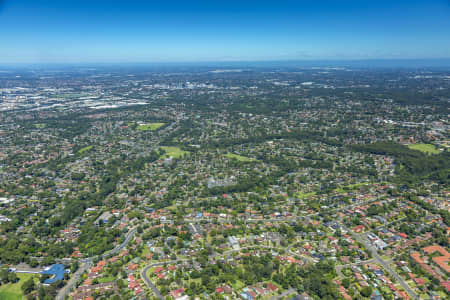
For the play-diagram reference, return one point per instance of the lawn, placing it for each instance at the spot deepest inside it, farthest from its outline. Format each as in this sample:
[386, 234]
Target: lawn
[411, 284]
[13, 291]
[196, 280]
[237, 285]
[426, 148]
[85, 149]
[174, 152]
[305, 195]
[145, 252]
[356, 185]
[239, 157]
[350, 187]
[40, 125]
[150, 272]
[106, 279]
[347, 272]
[150, 126]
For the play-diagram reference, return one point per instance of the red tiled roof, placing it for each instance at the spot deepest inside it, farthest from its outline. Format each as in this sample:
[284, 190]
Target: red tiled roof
[436, 248]
[417, 258]
[419, 281]
[446, 285]
[442, 261]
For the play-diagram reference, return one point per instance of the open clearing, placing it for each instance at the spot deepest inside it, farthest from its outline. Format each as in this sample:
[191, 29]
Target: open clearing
[239, 157]
[174, 152]
[426, 148]
[305, 195]
[150, 126]
[85, 149]
[106, 279]
[351, 187]
[13, 291]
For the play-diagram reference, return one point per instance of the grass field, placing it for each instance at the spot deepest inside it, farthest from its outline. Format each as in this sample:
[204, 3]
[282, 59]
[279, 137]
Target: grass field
[106, 279]
[13, 291]
[351, 187]
[174, 152]
[145, 251]
[238, 285]
[239, 157]
[305, 195]
[85, 149]
[150, 126]
[151, 272]
[40, 125]
[426, 148]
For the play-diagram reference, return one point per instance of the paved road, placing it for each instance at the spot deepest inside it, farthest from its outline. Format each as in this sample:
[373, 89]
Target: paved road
[284, 219]
[158, 293]
[307, 258]
[73, 280]
[149, 282]
[285, 294]
[86, 264]
[387, 224]
[340, 267]
[119, 248]
[25, 268]
[384, 264]
[310, 259]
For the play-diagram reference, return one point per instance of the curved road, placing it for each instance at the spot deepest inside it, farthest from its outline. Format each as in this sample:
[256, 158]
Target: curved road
[283, 219]
[149, 282]
[87, 262]
[158, 293]
[118, 248]
[340, 267]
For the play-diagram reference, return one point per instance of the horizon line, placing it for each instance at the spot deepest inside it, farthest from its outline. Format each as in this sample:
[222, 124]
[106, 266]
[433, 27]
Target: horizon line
[203, 62]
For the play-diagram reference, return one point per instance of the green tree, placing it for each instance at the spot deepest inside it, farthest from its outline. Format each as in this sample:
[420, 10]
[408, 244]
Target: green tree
[28, 286]
[366, 291]
[12, 277]
[33, 263]
[346, 283]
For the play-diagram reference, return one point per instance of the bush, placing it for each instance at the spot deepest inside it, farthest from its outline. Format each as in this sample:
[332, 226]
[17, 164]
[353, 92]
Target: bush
[366, 291]
[28, 286]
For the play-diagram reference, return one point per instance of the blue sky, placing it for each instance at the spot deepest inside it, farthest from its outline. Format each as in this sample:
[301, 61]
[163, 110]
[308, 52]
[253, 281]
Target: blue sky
[70, 31]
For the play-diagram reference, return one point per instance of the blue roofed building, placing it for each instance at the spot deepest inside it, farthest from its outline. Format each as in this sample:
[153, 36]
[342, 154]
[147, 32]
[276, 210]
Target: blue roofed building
[247, 296]
[57, 270]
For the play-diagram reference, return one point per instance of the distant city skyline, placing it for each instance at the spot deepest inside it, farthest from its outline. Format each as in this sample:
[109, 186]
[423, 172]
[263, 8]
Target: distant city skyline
[42, 31]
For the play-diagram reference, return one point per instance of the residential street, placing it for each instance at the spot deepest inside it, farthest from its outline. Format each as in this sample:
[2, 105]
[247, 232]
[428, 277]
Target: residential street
[149, 282]
[87, 262]
[384, 264]
[340, 267]
[73, 280]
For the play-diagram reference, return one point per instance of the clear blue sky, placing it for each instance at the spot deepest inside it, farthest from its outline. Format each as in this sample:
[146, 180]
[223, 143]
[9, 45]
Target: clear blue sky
[40, 31]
